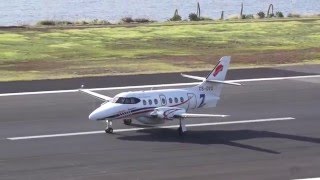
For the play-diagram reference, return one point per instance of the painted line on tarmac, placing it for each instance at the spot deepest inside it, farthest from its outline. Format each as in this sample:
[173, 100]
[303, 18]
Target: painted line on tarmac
[154, 86]
[137, 129]
[317, 178]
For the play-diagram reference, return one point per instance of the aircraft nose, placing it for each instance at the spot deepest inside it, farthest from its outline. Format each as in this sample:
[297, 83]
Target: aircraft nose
[97, 115]
[93, 116]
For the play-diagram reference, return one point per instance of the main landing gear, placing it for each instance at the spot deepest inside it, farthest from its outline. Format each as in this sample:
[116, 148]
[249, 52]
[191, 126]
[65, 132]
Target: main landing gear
[127, 122]
[109, 128]
[182, 127]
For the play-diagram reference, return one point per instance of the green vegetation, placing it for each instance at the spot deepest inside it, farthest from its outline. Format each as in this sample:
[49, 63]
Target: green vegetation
[176, 16]
[46, 53]
[69, 23]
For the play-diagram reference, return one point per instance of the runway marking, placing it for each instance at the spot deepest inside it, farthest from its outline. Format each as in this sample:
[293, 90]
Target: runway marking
[154, 86]
[136, 129]
[317, 178]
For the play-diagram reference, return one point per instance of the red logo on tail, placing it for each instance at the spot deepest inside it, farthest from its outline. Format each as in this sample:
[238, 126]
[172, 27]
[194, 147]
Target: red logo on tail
[218, 69]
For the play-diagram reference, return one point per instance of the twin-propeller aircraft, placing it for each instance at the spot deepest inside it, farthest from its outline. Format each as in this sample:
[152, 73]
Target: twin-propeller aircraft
[159, 106]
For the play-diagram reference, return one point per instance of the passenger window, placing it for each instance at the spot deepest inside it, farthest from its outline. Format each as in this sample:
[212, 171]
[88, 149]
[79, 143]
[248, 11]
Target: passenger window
[170, 100]
[150, 102]
[155, 101]
[163, 101]
[181, 99]
[176, 100]
[144, 102]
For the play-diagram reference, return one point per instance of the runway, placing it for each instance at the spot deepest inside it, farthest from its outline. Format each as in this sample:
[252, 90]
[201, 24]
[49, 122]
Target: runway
[286, 147]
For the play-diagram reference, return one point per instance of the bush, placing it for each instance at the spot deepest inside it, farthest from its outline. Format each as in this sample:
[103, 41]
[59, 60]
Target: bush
[99, 22]
[127, 20]
[233, 16]
[205, 19]
[247, 16]
[142, 20]
[279, 14]
[83, 22]
[261, 14]
[271, 15]
[175, 17]
[193, 17]
[292, 15]
[54, 23]
[46, 23]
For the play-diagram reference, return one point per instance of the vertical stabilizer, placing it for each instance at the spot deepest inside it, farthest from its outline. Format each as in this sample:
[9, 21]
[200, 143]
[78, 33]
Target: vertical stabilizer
[211, 87]
[220, 70]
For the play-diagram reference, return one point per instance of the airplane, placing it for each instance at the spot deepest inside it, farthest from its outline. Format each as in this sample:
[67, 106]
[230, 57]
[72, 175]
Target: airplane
[154, 107]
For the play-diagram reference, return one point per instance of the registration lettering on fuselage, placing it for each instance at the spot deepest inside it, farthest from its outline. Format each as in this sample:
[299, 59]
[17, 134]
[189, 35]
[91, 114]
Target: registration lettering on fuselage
[205, 88]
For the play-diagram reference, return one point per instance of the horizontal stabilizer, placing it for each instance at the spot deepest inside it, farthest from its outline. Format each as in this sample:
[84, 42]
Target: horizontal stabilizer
[224, 82]
[96, 95]
[193, 77]
[212, 81]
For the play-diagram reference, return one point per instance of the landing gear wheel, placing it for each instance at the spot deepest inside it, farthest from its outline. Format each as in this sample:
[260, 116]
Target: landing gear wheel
[127, 121]
[109, 130]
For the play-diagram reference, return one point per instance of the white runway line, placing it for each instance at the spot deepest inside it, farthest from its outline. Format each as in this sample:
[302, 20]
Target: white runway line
[136, 129]
[317, 178]
[154, 86]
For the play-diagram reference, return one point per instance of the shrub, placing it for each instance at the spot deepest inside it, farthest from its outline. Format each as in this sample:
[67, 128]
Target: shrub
[127, 20]
[98, 22]
[247, 16]
[271, 15]
[54, 23]
[279, 14]
[234, 16]
[205, 19]
[142, 20]
[292, 15]
[46, 23]
[83, 22]
[261, 14]
[176, 16]
[193, 17]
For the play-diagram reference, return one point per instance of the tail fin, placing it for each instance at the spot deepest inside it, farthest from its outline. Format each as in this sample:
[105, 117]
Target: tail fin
[220, 70]
[214, 82]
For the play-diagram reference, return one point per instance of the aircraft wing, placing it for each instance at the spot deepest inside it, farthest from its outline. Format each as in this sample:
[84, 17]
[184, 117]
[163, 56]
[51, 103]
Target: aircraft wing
[177, 113]
[188, 115]
[96, 95]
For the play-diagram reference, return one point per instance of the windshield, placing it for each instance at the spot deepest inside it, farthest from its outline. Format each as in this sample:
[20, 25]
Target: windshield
[126, 100]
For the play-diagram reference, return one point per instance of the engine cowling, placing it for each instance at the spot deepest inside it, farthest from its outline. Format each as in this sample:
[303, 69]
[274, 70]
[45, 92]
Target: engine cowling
[167, 113]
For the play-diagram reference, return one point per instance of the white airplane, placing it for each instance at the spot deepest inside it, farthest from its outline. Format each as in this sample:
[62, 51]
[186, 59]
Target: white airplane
[159, 106]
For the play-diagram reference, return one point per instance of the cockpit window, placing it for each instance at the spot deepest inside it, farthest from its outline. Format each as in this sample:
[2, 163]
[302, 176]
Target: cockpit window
[126, 100]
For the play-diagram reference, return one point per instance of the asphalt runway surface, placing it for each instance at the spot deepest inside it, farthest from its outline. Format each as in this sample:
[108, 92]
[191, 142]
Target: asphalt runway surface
[284, 149]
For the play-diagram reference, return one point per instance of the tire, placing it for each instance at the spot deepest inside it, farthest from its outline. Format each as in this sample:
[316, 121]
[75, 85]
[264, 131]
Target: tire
[109, 131]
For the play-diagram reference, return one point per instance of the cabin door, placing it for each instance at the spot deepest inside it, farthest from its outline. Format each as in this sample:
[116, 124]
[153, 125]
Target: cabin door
[163, 100]
[192, 101]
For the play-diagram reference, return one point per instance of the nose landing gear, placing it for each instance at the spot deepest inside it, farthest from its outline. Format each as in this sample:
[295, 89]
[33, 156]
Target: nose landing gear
[109, 128]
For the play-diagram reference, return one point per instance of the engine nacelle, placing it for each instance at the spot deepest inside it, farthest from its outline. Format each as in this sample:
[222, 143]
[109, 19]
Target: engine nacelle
[167, 113]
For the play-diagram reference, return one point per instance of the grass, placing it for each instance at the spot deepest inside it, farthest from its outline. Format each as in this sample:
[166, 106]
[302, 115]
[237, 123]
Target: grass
[40, 53]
